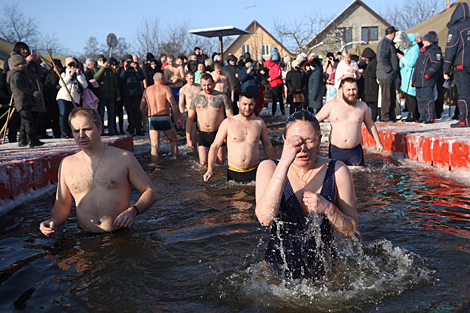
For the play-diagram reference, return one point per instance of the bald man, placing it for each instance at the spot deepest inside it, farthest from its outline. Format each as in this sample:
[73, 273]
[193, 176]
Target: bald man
[156, 101]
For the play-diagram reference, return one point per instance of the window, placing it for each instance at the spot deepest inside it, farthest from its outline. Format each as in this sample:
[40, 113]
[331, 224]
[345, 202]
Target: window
[345, 34]
[265, 49]
[370, 34]
[245, 49]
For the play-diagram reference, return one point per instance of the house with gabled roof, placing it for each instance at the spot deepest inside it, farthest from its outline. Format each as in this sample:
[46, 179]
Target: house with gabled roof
[356, 25]
[258, 41]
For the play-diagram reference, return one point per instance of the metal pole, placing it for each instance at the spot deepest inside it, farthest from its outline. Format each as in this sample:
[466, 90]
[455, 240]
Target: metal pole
[221, 48]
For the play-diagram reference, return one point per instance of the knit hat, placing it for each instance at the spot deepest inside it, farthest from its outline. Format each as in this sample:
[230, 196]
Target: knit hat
[150, 56]
[16, 60]
[431, 37]
[127, 57]
[260, 57]
[99, 57]
[69, 60]
[57, 63]
[300, 58]
[287, 59]
[231, 57]
[418, 35]
[295, 63]
[248, 60]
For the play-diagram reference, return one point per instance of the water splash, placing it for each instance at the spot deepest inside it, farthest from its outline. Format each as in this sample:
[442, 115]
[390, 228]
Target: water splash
[360, 275]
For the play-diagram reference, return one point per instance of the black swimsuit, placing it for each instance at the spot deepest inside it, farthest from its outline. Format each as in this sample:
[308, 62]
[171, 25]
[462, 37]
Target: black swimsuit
[292, 248]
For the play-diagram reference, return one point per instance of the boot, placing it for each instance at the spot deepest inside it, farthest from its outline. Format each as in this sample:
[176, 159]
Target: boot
[410, 118]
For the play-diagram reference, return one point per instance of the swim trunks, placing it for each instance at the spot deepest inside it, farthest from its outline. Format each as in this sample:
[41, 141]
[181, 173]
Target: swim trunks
[242, 174]
[351, 157]
[206, 139]
[176, 93]
[160, 122]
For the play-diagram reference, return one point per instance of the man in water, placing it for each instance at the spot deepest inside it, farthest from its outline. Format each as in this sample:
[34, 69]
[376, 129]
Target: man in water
[210, 106]
[243, 133]
[186, 95]
[99, 179]
[346, 117]
[157, 100]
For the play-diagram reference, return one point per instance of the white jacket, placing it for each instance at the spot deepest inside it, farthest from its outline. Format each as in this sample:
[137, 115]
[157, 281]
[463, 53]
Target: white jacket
[63, 95]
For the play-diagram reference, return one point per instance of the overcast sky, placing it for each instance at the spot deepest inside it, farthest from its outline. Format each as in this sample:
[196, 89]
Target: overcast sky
[73, 22]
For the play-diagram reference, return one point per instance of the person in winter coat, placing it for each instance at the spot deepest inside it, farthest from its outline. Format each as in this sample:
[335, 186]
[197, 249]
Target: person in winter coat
[130, 75]
[51, 88]
[249, 78]
[294, 85]
[459, 58]
[23, 95]
[425, 76]
[108, 93]
[75, 82]
[316, 87]
[371, 87]
[407, 65]
[276, 83]
[232, 69]
[275, 55]
[387, 70]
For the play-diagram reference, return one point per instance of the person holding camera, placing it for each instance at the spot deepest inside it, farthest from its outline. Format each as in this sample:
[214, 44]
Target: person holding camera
[250, 78]
[131, 75]
[75, 82]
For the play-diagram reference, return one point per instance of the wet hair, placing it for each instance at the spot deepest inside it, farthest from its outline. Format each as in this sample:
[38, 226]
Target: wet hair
[157, 77]
[349, 80]
[190, 73]
[89, 112]
[21, 45]
[246, 94]
[207, 76]
[170, 56]
[304, 116]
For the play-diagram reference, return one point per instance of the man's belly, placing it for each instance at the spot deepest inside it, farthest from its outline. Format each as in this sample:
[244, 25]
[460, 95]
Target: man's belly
[97, 212]
[346, 140]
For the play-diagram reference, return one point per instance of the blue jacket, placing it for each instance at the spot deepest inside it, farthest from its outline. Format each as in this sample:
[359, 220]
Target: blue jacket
[427, 66]
[387, 60]
[457, 38]
[249, 81]
[407, 64]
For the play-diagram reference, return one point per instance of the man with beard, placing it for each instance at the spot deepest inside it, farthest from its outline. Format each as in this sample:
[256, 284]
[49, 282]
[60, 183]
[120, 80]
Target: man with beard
[346, 117]
[243, 133]
[210, 106]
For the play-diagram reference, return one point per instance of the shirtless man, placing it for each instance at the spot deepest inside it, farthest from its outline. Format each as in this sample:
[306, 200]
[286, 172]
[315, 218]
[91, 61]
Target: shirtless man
[222, 81]
[186, 95]
[209, 106]
[174, 75]
[157, 100]
[243, 133]
[99, 178]
[346, 117]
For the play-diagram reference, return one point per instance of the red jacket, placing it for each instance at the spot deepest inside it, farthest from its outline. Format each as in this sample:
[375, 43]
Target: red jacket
[275, 74]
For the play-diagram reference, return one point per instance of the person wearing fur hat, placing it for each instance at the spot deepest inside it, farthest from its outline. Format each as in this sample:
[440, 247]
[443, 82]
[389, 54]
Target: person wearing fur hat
[458, 59]
[23, 95]
[425, 76]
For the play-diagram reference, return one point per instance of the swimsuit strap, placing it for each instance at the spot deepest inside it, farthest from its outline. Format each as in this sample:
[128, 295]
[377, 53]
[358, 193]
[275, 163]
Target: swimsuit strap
[328, 188]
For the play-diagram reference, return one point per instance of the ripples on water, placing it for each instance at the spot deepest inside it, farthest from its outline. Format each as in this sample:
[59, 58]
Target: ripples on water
[200, 249]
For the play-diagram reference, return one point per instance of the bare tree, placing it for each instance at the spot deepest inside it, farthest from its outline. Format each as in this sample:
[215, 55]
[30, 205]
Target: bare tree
[295, 34]
[92, 47]
[147, 37]
[15, 27]
[50, 43]
[409, 13]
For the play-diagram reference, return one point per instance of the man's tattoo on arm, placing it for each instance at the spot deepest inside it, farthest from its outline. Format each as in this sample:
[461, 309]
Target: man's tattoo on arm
[227, 104]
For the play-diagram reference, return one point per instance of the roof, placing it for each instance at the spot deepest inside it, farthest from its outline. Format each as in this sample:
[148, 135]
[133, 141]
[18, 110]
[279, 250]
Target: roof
[438, 22]
[381, 19]
[5, 49]
[219, 31]
[278, 43]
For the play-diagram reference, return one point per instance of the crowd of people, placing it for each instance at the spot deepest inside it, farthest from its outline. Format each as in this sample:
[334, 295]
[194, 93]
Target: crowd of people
[224, 98]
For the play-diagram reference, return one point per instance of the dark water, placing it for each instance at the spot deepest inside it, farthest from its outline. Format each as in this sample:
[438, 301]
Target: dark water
[200, 247]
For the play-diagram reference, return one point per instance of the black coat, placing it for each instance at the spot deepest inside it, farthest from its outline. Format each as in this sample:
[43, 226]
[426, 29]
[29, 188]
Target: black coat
[5, 94]
[427, 67]
[232, 70]
[371, 87]
[294, 81]
[21, 88]
[457, 39]
[316, 87]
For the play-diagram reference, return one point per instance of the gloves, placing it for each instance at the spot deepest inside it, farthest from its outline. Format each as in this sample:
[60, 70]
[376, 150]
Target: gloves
[37, 94]
[446, 77]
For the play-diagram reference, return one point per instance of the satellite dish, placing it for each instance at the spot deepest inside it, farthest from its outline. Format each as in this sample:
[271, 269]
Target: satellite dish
[111, 40]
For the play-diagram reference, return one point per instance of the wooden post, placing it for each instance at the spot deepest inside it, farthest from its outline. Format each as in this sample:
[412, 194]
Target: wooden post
[9, 115]
[61, 79]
